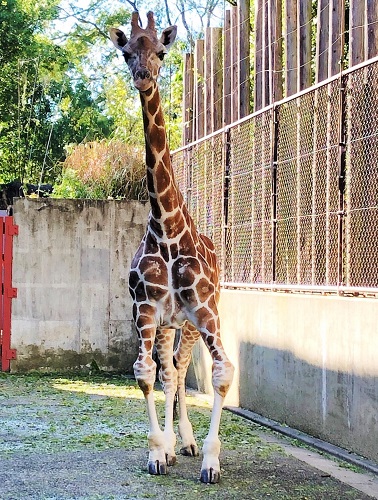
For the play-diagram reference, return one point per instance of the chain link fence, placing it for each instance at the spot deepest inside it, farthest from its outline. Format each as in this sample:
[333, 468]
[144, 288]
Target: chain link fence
[290, 194]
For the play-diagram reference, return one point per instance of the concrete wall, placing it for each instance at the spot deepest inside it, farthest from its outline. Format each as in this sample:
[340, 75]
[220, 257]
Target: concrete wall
[71, 263]
[308, 361]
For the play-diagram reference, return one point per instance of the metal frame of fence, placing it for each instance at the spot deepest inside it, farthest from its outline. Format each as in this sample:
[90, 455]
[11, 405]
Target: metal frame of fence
[289, 194]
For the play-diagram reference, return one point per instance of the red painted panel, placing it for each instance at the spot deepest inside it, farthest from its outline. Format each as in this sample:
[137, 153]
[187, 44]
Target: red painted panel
[8, 292]
[2, 229]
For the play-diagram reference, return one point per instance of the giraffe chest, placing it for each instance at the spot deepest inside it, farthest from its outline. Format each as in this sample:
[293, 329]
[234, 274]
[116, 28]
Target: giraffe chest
[173, 286]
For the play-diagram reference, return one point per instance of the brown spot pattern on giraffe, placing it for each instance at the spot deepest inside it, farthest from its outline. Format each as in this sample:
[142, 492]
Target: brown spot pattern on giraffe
[188, 296]
[184, 272]
[140, 292]
[174, 226]
[155, 292]
[156, 227]
[154, 269]
[163, 179]
[164, 251]
[152, 244]
[174, 251]
[204, 289]
[133, 279]
[146, 310]
[153, 106]
[159, 139]
[186, 246]
[155, 207]
[168, 201]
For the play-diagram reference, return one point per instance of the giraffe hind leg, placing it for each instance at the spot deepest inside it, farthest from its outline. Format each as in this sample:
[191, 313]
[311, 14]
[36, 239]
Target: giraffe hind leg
[222, 375]
[168, 377]
[182, 357]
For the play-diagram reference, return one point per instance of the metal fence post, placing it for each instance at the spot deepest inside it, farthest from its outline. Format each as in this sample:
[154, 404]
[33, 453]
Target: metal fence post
[275, 112]
[341, 178]
[226, 192]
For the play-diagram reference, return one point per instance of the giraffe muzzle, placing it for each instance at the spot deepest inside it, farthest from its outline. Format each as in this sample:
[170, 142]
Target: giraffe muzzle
[142, 74]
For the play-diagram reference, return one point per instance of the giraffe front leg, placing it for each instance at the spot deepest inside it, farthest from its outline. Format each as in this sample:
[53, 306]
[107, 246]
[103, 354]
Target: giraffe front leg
[222, 377]
[145, 374]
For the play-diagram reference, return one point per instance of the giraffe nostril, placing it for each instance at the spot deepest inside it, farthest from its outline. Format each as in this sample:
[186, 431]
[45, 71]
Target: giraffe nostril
[143, 74]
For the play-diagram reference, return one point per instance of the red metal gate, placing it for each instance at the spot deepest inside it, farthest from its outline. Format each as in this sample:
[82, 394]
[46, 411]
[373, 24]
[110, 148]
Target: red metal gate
[7, 231]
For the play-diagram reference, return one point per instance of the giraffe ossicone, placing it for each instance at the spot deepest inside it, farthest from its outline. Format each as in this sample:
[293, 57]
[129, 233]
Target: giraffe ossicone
[174, 276]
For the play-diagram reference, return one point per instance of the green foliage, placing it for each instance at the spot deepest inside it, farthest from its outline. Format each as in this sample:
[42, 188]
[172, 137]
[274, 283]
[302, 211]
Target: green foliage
[69, 186]
[62, 83]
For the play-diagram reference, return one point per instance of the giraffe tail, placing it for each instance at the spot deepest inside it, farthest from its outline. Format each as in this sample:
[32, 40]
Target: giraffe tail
[176, 400]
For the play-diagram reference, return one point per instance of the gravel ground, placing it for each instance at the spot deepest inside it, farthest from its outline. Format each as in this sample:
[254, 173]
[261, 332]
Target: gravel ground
[85, 438]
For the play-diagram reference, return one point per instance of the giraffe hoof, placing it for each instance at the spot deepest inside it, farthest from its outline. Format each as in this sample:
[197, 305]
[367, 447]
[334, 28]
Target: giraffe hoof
[210, 476]
[171, 459]
[190, 451]
[157, 468]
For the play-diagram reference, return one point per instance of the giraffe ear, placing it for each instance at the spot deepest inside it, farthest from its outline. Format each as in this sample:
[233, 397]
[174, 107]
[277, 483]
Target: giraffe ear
[118, 37]
[168, 36]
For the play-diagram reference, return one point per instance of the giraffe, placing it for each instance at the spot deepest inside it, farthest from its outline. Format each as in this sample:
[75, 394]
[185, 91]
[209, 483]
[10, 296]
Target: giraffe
[174, 276]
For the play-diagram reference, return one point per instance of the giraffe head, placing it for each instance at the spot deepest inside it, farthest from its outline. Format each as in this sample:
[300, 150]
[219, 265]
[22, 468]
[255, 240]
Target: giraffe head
[143, 51]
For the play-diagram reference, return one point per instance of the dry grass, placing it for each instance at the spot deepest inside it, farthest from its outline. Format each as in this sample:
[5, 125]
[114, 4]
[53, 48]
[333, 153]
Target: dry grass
[108, 169]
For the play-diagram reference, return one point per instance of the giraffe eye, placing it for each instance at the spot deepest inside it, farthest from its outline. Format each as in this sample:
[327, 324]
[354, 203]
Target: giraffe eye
[161, 55]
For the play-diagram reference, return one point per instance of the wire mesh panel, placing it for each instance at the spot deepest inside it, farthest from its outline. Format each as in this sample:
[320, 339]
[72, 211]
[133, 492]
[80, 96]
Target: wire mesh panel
[180, 168]
[206, 190]
[249, 229]
[240, 221]
[362, 178]
[307, 189]
[284, 214]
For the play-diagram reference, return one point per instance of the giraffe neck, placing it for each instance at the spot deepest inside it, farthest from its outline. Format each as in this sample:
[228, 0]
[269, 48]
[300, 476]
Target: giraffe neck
[165, 197]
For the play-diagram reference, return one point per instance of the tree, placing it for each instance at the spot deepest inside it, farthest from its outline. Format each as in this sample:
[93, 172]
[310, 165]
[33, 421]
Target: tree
[62, 83]
[21, 49]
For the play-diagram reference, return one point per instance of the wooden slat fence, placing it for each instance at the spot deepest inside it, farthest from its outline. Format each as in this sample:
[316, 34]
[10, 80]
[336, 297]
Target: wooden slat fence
[268, 50]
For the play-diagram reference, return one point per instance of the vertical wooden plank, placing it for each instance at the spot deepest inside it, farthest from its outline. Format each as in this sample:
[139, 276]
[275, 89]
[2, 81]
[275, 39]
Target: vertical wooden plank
[188, 99]
[194, 99]
[207, 82]
[234, 64]
[322, 41]
[199, 89]
[304, 44]
[258, 93]
[276, 48]
[227, 69]
[291, 39]
[266, 76]
[336, 35]
[372, 28]
[244, 71]
[357, 27]
[216, 79]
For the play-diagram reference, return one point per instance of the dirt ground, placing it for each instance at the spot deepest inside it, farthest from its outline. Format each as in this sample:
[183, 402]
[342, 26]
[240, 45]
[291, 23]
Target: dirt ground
[72, 437]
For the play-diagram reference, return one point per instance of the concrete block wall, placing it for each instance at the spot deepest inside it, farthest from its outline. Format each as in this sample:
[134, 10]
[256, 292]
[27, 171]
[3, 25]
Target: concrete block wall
[306, 361]
[71, 264]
